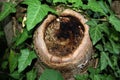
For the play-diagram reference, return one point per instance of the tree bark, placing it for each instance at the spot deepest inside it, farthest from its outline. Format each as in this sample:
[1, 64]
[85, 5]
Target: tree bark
[70, 32]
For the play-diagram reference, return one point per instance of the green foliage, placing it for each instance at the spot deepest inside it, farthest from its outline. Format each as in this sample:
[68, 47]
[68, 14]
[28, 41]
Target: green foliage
[50, 74]
[103, 61]
[94, 6]
[25, 59]
[31, 2]
[15, 75]
[115, 47]
[4, 65]
[104, 32]
[21, 37]
[59, 1]
[95, 33]
[8, 8]
[31, 75]
[105, 7]
[96, 30]
[76, 3]
[81, 77]
[36, 12]
[115, 22]
[13, 60]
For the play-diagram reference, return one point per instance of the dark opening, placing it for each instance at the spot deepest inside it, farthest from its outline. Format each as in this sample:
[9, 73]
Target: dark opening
[63, 35]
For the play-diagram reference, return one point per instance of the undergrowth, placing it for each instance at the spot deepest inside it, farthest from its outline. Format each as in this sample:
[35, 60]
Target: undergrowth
[17, 60]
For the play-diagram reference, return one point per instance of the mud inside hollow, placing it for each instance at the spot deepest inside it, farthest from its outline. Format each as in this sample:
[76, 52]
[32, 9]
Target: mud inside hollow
[63, 35]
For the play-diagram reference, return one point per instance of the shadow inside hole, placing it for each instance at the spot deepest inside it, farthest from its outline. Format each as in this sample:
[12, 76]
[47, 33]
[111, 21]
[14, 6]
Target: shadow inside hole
[63, 35]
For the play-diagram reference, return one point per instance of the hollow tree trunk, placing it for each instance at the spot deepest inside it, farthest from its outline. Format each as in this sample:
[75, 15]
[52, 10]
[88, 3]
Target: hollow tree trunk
[62, 42]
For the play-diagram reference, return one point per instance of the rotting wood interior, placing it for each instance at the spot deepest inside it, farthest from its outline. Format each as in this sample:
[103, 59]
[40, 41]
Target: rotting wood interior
[63, 35]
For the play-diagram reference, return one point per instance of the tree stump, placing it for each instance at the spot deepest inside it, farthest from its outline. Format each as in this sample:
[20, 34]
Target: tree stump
[62, 42]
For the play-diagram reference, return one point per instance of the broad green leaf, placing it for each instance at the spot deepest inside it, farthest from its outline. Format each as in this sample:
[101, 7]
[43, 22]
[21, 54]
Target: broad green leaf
[81, 77]
[25, 59]
[104, 6]
[105, 55]
[92, 23]
[110, 77]
[32, 2]
[95, 34]
[102, 77]
[108, 47]
[31, 75]
[99, 47]
[114, 35]
[97, 77]
[76, 3]
[115, 22]
[93, 71]
[15, 75]
[8, 8]
[72, 1]
[59, 1]
[22, 37]
[13, 60]
[112, 47]
[115, 47]
[50, 74]
[35, 14]
[114, 59]
[104, 28]
[103, 61]
[94, 6]
[96, 30]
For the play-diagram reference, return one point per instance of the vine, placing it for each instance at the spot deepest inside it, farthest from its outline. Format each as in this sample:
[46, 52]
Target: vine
[17, 60]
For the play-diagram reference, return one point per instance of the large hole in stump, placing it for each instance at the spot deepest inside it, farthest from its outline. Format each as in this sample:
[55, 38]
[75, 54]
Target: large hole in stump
[63, 35]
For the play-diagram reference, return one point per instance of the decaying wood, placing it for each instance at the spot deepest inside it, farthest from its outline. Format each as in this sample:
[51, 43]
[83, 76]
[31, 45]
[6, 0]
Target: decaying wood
[69, 64]
[71, 53]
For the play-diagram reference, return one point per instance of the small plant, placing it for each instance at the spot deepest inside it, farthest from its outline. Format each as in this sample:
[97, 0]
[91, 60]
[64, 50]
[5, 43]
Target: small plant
[18, 59]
